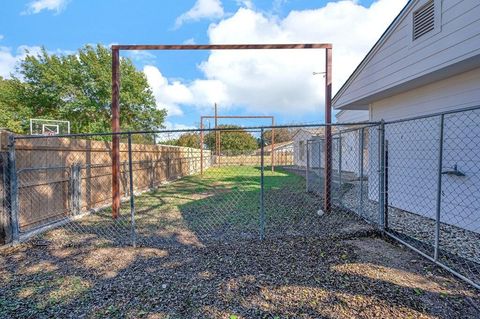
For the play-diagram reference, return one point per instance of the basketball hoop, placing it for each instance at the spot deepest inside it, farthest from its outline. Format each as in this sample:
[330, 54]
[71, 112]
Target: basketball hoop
[50, 133]
[49, 127]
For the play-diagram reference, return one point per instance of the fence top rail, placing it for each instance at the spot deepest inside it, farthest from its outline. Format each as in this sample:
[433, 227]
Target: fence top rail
[352, 129]
[420, 117]
[247, 128]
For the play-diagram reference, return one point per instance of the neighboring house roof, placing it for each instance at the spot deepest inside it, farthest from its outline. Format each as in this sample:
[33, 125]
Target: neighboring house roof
[318, 131]
[276, 146]
[441, 56]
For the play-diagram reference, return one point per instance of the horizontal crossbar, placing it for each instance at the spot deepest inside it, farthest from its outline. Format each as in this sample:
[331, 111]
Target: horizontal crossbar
[223, 46]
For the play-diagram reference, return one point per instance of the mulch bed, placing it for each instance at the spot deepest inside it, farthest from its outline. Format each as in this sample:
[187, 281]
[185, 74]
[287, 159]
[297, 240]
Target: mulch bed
[358, 277]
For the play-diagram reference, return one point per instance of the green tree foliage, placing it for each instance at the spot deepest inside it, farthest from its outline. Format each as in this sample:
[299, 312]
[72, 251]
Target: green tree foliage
[14, 115]
[189, 140]
[281, 135]
[77, 87]
[234, 142]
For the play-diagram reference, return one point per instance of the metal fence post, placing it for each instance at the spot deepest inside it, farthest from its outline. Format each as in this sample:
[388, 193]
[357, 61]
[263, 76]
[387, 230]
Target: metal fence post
[13, 190]
[381, 174]
[385, 178]
[307, 166]
[339, 144]
[132, 196]
[123, 176]
[75, 182]
[360, 169]
[262, 186]
[320, 167]
[439, 189]
[319, 159]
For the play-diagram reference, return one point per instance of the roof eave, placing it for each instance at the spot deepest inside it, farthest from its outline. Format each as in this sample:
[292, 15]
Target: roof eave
[372, 51]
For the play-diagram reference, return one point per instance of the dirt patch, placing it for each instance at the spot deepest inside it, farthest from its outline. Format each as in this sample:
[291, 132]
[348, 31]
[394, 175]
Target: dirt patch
[362, 277]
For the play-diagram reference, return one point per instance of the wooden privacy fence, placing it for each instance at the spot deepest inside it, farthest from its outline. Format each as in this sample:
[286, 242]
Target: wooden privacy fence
[61, 177]
[281, 159]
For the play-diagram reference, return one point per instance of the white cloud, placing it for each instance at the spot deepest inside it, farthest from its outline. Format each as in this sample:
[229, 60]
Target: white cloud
[163, 137]
[277, 4]
[38, 6]
[7, 62]
[245, 3]
[282, 81]
[208, 92]
[140, 56]
[178, 126]
[2, 37]
[171, 94]
[9, 59]
[167, 95]
[202, 9]
[190, 41]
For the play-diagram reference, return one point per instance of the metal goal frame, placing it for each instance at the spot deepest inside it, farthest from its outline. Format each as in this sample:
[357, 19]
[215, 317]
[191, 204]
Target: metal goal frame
[116, 102]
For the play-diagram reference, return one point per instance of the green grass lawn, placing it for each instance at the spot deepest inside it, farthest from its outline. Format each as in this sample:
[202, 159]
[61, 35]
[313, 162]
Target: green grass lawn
[223, 202]
[225, 198]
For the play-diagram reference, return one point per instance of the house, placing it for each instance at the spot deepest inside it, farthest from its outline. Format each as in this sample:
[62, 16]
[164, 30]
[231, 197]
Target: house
[278, 148]
[283, 153]
[309, 142]
[350, 140]
[352, 116]
[426, 62]
[311, 137]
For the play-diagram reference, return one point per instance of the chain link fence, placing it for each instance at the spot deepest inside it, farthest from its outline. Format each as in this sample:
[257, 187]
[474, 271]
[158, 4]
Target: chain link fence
[416, 181]
[433, 188]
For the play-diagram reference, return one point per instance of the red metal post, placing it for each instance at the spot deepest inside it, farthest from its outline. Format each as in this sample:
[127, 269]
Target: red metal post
[115, 129]
[328, 131]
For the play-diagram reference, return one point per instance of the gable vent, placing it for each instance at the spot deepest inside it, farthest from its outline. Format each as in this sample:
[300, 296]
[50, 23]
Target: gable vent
[424, 20]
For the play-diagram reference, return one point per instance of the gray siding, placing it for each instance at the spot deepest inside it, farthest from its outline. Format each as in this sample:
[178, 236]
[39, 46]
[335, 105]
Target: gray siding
[460, 91]
[400, 59]
[352, 116]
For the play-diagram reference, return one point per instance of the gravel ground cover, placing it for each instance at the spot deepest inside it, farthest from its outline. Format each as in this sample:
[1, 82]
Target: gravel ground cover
[459, 248]
[454, 239]
[356, 277]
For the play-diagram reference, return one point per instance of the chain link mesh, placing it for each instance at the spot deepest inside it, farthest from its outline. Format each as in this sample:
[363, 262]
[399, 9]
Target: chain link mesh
[383, 177]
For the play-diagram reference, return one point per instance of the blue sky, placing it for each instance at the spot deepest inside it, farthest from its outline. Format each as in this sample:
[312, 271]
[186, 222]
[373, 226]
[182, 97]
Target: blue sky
[188, 83]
